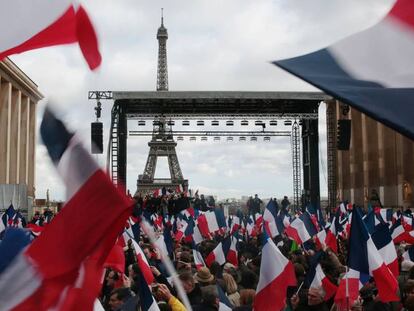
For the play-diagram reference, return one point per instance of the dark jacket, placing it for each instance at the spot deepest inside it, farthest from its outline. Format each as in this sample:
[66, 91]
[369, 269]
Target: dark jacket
[195, 295]
[203, 307]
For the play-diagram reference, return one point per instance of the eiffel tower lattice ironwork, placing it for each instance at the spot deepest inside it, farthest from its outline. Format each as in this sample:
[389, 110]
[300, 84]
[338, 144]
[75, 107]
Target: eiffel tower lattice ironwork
[162, 69]
[162, 143]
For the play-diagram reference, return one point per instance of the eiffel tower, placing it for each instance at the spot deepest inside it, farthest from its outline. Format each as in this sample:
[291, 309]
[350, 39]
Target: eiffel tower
[162, 143]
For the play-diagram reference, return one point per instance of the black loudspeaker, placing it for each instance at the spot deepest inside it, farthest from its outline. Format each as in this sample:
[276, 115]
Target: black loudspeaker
[344, 134]
[96, 137]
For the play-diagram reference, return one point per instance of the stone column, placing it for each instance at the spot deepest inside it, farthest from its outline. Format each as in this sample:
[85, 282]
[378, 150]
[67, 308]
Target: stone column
[32, 149]
[388, 166]
[15, 137]
[24, 140]
[5, 115]
[356, 159]
[344, 176]
[370, 147]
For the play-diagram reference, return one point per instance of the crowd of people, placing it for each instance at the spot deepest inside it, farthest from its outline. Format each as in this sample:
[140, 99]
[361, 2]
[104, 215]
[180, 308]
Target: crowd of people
[233, 287]
[233, 284]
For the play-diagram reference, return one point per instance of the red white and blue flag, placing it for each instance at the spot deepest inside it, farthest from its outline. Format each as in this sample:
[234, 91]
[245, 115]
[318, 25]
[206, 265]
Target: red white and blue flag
[63, 267]
[37, 24]
[348, 289]
[276, 275]
[364, 257]
[372, 70]
[219, 253]
[316, 278]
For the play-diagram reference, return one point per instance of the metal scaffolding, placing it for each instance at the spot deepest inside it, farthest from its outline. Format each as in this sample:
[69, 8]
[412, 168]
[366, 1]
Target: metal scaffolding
[331, 153]
[297, 177]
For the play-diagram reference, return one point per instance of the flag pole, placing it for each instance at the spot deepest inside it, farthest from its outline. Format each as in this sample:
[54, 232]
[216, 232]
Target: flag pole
[168, 265]
[347, 289]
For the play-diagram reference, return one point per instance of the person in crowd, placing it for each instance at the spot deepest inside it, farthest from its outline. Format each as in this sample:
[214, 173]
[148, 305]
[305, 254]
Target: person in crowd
[285, 204]
[192, 289]
[130, 256]
[119, 298]
[246, 300]
[204, 277]
[315, 301]
[162, 293]
[111, 282]
[231, 289]
[210, 299]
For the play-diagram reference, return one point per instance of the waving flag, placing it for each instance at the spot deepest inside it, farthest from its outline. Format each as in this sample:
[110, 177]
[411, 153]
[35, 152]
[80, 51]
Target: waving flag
[219, 254]
[372, 71]
[348, 290]
[269, 219]
[276, 274]
[316, 278]
[147, 301]
[383, 242]
[198, 258]
[64, 264]
[297, 231]
[365, 258]
[36, 24]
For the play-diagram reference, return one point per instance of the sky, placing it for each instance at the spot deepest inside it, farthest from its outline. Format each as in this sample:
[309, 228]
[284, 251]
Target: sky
[212, 45]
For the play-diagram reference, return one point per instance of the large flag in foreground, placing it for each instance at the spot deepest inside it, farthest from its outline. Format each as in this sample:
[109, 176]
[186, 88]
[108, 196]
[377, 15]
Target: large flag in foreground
[276, 274]
[62, 268]
[372, 71]
[32, 24]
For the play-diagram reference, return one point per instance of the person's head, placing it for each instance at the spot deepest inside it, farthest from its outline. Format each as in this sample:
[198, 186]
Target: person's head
[210, 296]
[255, 195]
[215, 269]
[187, 281]
[409, 303]
[231, 284]
[133, 270]
[111, 278]
[247, 297]
[129, 243]
[146, 248]
[315, 296]
[248, 279]
[184, 263]
[118, 297]
[409, 288]
[204, 276]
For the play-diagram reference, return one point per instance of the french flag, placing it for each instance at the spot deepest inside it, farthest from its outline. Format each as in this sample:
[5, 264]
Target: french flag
[232, 253]
[316, 278]
[198, 258]
[235, 223]
[297, 231]
[63, 266]
[269, 219]
[276, 275]
[365, 258]
[383, 242]
[348, 289]
[371, 70]
[141, 259]
[147, 301]
[47, 23]
[397, 232]
[325, 238]
[219, 254]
